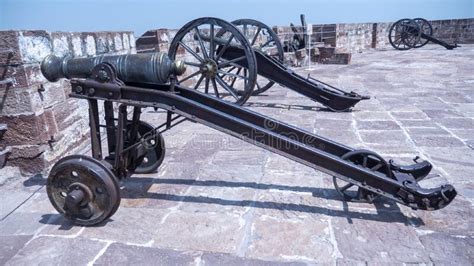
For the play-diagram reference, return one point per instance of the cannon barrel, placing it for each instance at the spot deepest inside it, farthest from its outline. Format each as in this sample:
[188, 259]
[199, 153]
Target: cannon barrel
[143, 68]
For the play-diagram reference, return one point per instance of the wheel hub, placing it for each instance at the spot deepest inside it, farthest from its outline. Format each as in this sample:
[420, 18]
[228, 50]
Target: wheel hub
[209, 68]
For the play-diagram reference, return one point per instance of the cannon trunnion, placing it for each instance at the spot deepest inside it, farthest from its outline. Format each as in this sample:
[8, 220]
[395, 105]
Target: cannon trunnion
[86, 190]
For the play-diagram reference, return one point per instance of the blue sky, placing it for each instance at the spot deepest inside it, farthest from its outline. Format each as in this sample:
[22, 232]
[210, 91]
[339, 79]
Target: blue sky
[140, 15]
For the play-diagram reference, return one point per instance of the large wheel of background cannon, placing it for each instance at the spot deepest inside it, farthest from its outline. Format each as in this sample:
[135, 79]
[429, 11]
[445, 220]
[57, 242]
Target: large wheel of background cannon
[425, 28]
[201, 43]
[404, 34]
[264, 39]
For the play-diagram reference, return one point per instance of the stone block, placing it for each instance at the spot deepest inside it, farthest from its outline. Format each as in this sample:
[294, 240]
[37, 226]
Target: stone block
[291, 239]
[89, 44]
[34, 46]
[22, 75]
[377, 125]
[11, 245]
[61, 43]
[121, 254]
[131, 39]
[378, 242]
[19, 101]
[229, 260]
[437, 141]
[65, 251]
[200, 231]
[29, 129]
[143, 220]
[9, 41]
[76, 45]
[101, 43]
[448, 249]
[29, 158]
[21, 224]
[118, 42]
[126, 41]
[69, 112]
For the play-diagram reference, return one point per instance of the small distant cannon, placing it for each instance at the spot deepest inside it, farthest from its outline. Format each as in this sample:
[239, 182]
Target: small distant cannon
[299, 40]
[414, 33]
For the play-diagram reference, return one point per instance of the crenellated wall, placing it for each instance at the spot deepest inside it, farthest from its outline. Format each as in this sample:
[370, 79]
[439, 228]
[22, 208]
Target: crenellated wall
[356, 37]
[42, 123]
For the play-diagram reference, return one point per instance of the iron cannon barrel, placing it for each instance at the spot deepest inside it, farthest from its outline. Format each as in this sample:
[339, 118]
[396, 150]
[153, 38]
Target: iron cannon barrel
[143, 68]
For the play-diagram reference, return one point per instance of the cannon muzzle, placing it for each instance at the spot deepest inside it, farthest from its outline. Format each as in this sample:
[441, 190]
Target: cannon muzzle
[143, 68]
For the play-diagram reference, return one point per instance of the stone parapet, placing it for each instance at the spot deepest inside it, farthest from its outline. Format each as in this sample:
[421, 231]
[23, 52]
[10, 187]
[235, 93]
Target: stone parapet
[43, 123]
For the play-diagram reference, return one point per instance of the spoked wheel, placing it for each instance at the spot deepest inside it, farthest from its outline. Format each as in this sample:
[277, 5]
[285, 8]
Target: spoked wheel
[83, 189]
[366, 159]
[426, 28]
[404, 34]
[155, 148]
[264, 39]
[200, 44]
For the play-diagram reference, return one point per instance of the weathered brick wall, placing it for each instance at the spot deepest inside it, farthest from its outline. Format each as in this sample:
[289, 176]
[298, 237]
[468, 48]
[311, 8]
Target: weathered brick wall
[43, 123]
[355, 37]
[454, 30]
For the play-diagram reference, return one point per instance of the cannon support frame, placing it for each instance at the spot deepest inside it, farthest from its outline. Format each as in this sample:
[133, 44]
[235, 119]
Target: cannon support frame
[126, 150]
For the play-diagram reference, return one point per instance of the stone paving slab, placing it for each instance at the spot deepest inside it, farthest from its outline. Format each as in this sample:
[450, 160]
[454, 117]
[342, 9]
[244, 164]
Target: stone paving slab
[219, 201]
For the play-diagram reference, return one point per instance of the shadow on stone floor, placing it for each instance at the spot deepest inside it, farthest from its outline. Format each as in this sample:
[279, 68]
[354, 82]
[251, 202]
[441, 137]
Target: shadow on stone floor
[36, 180]
[63, 223]
[288, 106]
[386, 211]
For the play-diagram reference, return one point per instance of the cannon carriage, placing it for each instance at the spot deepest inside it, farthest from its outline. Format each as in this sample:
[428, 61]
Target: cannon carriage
[86, 189]
[225, 66]
[407, 33]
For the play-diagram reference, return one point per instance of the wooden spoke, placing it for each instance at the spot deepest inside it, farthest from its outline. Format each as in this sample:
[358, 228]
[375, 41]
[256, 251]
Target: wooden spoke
[191, 51]
[256, 36]
[226, 87]
[201, 43]
[199, 82]
[216, 92]
[221, 52]
[190, 76]
[229, 62]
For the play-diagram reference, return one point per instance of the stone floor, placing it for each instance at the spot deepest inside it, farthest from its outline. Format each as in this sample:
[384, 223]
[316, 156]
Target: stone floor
[219, 201]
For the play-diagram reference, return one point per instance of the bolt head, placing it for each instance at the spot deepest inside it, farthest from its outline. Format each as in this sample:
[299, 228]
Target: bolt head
[78, 89]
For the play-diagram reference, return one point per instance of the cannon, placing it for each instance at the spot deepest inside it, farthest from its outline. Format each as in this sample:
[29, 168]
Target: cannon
[223, 65]
[407, 33]
[86, 189]
[299, 40]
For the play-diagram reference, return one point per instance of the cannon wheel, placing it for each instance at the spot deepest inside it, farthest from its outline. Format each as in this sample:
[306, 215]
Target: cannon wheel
[402, 36]
[155, 148]
[426, 28]
[83, 189]
[264, 39]
[350, 191]
[204, 62]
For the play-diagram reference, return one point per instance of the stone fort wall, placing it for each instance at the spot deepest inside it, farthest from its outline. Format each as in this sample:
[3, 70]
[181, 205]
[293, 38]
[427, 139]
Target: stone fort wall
[42, 122]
